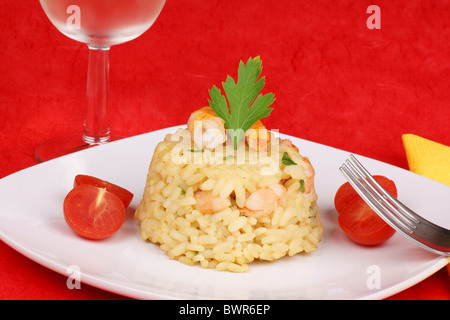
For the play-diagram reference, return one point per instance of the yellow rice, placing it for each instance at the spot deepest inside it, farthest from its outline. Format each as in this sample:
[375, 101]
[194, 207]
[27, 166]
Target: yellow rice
[225, 240]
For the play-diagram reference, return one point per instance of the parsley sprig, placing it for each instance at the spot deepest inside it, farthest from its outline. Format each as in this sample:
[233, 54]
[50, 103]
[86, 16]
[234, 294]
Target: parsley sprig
[246, 104]
[287, 160]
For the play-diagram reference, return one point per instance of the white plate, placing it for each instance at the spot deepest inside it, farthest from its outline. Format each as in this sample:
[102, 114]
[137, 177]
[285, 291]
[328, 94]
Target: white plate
[32, 222]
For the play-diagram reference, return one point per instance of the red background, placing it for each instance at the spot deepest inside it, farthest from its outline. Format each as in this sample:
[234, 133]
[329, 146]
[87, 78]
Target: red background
[336, 82]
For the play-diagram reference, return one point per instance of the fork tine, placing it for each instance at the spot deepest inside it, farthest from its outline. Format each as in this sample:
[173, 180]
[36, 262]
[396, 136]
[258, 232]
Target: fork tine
[415, 219]
[382, 195]
[373, 201]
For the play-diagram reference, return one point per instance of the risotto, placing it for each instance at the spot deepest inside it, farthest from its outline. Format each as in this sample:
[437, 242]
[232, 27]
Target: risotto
[223, 207]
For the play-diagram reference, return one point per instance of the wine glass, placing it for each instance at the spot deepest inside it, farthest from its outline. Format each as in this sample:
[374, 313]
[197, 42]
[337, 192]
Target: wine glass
[100, 24]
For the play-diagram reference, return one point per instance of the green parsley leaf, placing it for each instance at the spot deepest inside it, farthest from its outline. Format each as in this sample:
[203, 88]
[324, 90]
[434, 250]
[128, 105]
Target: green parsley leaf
[246, 104]
[228, 157]
[302, 186]
[286, 159]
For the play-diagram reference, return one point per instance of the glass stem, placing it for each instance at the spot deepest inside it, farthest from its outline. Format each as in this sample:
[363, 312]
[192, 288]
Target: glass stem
[96, 122]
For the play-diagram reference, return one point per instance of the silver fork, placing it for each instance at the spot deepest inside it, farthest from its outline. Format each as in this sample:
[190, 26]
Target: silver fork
[427, 234]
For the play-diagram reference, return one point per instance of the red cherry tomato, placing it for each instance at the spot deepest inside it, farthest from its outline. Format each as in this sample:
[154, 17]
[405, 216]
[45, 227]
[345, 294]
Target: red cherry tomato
[125, 195]
[358, 220]
[92, 212]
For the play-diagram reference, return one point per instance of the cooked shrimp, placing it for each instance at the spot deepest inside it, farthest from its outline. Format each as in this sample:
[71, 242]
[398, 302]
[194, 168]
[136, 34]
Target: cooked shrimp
[206, 128]
[264, 201]
[308, 184]
[206, 203]
[309, 171]
[287, 142]
[257, 136]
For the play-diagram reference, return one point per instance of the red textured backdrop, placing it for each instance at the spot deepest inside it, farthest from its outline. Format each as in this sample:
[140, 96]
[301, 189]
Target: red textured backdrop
[336, 82]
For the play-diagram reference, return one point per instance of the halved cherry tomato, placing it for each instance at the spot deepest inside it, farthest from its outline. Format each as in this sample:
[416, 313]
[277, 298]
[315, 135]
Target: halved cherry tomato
[92, 212]
[125, 195]
[358, 220]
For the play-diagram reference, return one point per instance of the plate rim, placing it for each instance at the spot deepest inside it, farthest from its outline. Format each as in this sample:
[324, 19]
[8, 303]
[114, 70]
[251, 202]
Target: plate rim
[132, 292]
